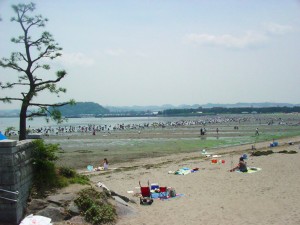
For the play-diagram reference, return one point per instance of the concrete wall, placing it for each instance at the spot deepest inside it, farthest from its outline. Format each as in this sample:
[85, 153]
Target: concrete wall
[16, 175]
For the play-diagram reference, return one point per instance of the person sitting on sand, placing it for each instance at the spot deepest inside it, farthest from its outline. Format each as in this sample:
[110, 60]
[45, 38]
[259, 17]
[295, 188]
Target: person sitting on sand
[242, 166]
[105, 164]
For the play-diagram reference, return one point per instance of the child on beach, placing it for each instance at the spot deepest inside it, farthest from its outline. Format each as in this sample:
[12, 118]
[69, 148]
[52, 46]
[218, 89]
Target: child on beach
[104, 167]
[105, 164]
[242, 166]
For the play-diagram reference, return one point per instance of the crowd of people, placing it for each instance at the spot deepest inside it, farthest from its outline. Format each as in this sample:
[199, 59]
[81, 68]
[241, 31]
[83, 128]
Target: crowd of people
[108, 128]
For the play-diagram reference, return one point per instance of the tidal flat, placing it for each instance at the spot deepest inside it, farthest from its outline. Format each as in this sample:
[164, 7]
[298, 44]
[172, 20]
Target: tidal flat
[81, 149]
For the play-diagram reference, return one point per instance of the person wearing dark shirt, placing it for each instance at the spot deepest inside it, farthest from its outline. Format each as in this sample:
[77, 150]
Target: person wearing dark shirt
[242, 166]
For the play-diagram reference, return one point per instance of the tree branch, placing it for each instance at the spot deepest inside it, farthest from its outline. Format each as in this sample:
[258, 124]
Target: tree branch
[8, 99]
[24, 58]
[12, 65]
[13, 84]
[33, 114]
[60, 75]
[42, 55]
[47, 105]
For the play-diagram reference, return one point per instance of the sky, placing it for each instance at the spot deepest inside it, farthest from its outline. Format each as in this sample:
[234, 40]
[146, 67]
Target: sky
[155, 52]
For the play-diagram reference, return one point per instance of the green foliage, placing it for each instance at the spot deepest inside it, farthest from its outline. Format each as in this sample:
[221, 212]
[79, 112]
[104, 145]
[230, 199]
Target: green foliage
[9, 129]
[72, 176]
[259, 153]
[96, 208]
[46, 176]
[288, 152]
[67, 172]
[44, 152]
[79, 179]
[100, 214]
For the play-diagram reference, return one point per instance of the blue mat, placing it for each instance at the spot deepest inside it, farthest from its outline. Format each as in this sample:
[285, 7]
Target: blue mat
[2, 137]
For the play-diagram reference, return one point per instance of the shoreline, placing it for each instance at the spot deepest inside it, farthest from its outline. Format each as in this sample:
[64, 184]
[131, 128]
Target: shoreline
[229, 150]
[91, 150]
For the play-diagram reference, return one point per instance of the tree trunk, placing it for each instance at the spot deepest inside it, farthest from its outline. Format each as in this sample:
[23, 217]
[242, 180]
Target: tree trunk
[23, 112]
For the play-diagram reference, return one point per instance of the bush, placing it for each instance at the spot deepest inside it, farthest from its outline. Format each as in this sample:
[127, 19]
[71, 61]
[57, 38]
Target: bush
[96, 208]
[67, 172]
[288, 152]
[42, 151]
[73, 176]
[47, 177]
[100, 214]
[259, 153]
[80, 179]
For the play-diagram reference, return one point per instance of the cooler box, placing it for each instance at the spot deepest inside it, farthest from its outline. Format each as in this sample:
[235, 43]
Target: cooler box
[154, 186]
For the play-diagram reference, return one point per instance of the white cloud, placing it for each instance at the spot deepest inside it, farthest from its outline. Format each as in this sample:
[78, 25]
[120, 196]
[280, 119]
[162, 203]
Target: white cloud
[249, 39]
[277, 29]
[77, 58]
[115, 52]
[228, 40]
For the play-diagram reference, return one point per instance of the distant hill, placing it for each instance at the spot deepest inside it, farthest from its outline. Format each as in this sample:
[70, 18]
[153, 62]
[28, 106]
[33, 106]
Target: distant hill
[83, 109]
[196, 106]
[94, 109]
[246, 105]
[139, 108]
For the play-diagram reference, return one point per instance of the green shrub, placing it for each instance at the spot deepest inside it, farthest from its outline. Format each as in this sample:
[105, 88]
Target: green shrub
[42, 151]
[73, 176]
[84, 202]
[259, 153]
[288, 152]
[283, 151]
[100, 214]
[47, 177]
[80, 179]
[95, 207]
[67, 172]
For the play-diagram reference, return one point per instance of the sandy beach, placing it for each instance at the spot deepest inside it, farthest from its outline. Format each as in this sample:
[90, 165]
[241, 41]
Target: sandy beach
[213, 195]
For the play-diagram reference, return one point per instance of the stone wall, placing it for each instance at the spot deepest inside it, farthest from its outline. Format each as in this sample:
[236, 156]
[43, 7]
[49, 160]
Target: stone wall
[16, 175]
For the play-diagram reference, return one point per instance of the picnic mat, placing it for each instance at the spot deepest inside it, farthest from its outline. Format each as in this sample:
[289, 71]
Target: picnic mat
[169, 198]
[251, 170]
[184, 171]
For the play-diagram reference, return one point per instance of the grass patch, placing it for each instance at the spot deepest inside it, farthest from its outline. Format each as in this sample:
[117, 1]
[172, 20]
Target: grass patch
[288, 152]
[260, 153]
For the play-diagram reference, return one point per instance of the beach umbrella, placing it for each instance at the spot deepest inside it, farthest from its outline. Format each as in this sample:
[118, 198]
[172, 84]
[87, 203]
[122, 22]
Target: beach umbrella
[2, 137]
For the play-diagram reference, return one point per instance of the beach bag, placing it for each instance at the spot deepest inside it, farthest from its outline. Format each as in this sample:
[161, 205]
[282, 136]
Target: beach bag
[146, 201]
[172, 193]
